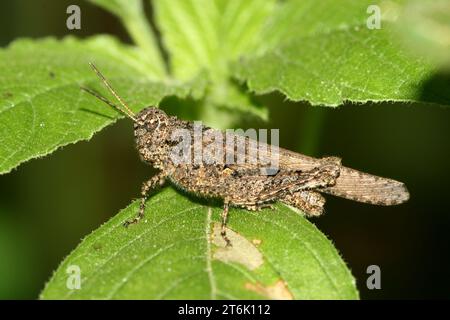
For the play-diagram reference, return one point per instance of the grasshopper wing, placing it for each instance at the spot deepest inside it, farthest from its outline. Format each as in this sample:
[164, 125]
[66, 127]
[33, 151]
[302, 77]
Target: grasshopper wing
[351, 184]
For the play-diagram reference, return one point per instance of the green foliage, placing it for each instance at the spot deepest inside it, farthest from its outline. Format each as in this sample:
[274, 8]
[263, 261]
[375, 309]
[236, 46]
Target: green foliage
[425, 25]
[330, 58]
[177, 252]
[131, 14]
[208, 34]
[42, 105]
[219, 51]
[333, 57]
[354, 66]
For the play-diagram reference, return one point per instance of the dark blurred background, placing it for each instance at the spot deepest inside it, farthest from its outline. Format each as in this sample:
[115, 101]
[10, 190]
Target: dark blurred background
[47, 205]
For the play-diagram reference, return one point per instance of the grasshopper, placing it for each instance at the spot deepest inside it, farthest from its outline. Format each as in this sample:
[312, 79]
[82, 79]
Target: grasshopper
[298, 181]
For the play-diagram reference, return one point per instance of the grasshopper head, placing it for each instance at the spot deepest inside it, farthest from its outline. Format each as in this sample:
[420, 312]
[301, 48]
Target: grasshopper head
[152, 127]
[152, 130]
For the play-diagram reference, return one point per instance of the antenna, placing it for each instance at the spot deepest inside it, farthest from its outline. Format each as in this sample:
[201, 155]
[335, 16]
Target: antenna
[125, 110]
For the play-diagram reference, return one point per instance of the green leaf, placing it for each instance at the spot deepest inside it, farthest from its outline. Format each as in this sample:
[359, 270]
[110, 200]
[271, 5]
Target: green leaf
[41, 104]
[131, 14]
[177, 253]
[324, 53]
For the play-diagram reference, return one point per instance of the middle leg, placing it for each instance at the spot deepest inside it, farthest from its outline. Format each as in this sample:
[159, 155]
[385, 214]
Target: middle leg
[224, 217]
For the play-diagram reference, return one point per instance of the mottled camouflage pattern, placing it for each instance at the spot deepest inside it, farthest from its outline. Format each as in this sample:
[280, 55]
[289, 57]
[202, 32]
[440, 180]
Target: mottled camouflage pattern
[298, 181]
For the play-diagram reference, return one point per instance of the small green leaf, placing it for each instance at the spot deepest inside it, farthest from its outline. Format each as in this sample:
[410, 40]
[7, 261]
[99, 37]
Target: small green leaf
[177, 253]
[131, 13]
[42, 106]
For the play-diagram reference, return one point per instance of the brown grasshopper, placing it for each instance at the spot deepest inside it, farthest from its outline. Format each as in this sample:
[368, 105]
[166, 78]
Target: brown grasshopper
[298, 180]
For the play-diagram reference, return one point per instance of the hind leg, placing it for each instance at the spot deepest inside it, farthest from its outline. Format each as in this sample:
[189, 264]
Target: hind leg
[252, 206]
[310, 202]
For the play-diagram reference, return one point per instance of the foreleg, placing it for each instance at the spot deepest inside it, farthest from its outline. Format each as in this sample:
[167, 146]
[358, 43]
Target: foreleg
[147, 186]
